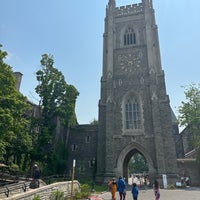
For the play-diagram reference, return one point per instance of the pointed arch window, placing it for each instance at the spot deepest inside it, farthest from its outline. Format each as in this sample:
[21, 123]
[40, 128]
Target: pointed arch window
[133, 114]
[129, 37]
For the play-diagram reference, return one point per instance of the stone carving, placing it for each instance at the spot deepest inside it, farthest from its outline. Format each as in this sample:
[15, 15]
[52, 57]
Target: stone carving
[154, 97]
[109, 74]
[109, 100]
[142, 80]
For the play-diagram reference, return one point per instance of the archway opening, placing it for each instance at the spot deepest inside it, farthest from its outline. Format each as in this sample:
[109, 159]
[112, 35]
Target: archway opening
[136, 169]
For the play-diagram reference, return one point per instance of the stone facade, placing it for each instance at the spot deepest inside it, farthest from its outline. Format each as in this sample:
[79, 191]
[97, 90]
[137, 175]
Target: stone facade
[133, 76]
[82, 147]
[132, 73]
[189, 167]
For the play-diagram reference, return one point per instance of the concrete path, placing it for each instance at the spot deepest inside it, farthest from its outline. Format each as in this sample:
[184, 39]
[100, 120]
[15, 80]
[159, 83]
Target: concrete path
[178, 194]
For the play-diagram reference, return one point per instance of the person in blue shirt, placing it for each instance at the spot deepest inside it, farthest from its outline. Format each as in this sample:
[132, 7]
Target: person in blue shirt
[135, 191]
[121, 187]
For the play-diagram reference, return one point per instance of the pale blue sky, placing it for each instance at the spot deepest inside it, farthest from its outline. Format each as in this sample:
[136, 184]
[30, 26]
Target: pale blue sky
[72, 32]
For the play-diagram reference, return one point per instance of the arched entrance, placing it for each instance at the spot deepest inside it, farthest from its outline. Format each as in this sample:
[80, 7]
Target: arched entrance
[136, 169]
[135, 163]
[126, 155]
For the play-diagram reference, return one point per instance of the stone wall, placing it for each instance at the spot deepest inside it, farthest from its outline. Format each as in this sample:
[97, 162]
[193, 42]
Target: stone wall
[45, 191]
[189, 167]
[82, 147]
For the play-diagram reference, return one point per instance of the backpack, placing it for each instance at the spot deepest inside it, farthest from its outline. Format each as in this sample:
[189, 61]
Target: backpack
[157, 195]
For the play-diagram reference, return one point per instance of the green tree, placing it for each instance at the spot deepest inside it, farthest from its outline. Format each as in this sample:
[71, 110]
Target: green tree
[15, 140]
[58, 105]
[137, 164]
[94, 122]
[189, 114]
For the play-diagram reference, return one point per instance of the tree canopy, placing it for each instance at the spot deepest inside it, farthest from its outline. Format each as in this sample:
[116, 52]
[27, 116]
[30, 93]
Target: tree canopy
[57, 97]
[137, 164]
[189, 113]
[15, 140]
[20, 145]
[57, 102]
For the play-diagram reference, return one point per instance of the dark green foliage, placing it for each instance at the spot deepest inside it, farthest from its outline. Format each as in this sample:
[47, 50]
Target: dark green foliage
[57, 97]
[55, 162]
[137, 164]
[15, 138]
[84, 193]
[20, 145]
[57, 105]
[60, 158]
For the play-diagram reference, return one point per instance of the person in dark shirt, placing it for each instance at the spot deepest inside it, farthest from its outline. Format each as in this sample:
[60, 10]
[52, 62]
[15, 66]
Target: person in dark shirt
[135, 191]
[121, 187]
[36, 172]
[35, 183]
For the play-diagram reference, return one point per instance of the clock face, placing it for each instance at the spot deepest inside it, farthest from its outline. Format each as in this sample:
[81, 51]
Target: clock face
[131, 60]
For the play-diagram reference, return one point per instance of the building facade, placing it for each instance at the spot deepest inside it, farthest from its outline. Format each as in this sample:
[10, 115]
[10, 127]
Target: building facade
[134, 108]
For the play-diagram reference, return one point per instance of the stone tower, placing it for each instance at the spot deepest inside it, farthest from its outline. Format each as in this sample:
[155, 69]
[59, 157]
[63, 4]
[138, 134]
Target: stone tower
[18, 76]
[134, 110]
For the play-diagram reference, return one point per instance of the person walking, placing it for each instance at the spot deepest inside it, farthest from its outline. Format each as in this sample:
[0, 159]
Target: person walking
[113, 188]
[135, 191]
[121, 187]
[156, 189]
[35, 183]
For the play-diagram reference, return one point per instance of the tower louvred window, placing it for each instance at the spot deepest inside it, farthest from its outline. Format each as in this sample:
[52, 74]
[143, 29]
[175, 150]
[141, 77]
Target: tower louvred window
[129, 37]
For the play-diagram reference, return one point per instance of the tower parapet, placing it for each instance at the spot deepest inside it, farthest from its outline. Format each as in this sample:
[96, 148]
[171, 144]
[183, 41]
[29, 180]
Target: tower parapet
[133, 9]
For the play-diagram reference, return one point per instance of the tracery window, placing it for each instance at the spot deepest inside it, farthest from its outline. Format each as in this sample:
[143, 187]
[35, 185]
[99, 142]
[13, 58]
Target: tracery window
[133, 114]
[129, 37]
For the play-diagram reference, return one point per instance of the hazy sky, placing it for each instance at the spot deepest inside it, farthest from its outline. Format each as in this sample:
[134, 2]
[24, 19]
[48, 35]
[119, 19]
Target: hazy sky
[72, 31]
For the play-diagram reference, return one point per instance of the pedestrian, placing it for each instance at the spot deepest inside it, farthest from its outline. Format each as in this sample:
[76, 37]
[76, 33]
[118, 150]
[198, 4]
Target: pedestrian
[121, 187]
[35, 183]
[36, 172]
[156, 189]
[135, 191]
[145, 182]
[113, 188]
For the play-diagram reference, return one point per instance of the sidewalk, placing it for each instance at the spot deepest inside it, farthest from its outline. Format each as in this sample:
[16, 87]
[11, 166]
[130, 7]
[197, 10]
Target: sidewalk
[178, 194]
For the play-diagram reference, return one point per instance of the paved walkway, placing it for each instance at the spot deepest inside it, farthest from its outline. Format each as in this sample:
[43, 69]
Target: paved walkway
[179, 194]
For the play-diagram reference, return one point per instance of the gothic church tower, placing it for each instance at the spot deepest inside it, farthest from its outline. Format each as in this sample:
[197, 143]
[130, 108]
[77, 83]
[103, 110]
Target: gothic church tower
[134, 110]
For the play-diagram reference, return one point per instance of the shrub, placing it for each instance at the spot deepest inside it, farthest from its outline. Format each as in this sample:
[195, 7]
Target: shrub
[37, 197]
[57, 195]
[84, 193]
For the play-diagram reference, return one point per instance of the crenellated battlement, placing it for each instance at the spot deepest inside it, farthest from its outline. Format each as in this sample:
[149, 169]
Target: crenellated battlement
[133, 9]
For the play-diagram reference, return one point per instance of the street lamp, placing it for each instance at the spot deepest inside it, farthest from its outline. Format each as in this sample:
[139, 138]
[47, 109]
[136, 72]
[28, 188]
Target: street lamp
[93, 166]
[72, 182]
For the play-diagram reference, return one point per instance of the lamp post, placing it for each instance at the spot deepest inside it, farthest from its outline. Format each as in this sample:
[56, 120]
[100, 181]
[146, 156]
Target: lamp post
[93, 165]
[72, 182]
